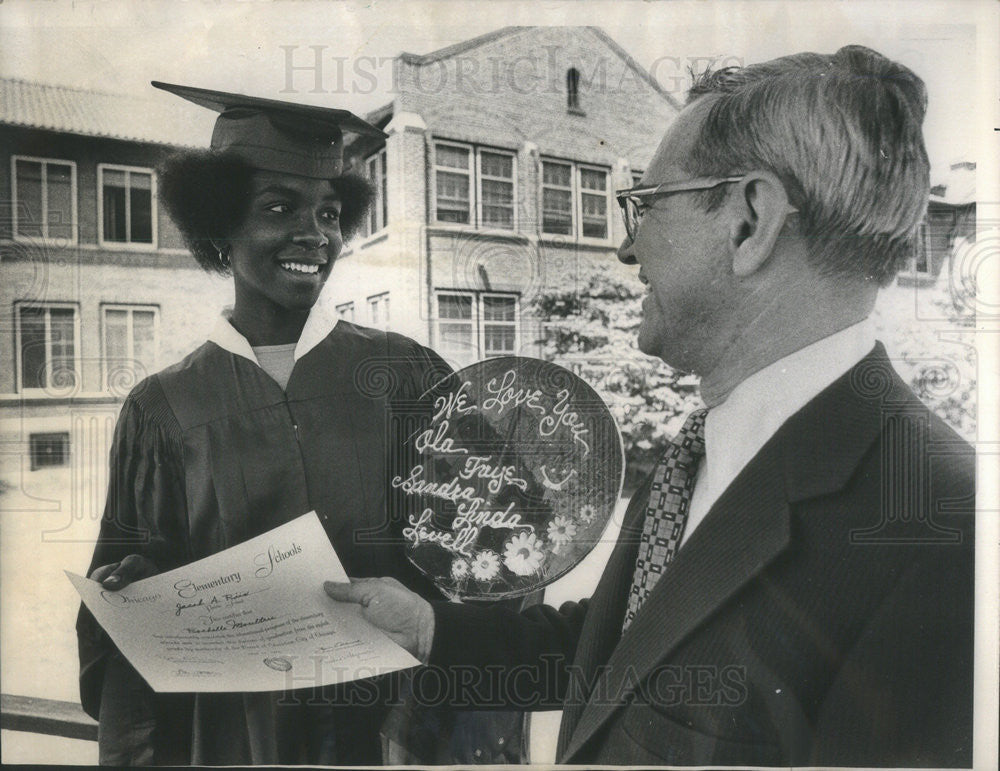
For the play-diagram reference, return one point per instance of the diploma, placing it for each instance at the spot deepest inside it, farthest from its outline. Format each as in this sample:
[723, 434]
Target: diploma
[250, 618]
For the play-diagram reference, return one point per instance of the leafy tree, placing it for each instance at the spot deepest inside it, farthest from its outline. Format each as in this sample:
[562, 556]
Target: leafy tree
[591, 330]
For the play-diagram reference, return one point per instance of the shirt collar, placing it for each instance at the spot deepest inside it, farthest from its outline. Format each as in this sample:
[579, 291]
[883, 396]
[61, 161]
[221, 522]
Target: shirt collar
[318, 325]
[736, 429]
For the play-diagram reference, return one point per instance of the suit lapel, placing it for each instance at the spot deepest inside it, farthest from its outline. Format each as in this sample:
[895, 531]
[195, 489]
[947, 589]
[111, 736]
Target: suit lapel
[812, 454]
[602, 625]
[745, 530]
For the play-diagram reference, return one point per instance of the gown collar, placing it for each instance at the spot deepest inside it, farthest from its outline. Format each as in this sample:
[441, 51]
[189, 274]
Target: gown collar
[318, 325]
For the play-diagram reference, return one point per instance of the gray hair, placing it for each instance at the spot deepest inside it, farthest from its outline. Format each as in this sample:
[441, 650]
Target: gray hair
[843, 134]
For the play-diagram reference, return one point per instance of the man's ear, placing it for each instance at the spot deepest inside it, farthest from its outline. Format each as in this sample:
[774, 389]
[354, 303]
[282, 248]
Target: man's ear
[760, 209]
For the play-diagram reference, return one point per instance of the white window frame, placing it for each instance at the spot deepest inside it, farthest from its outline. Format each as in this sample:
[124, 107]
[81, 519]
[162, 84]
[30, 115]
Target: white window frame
[105, 359]
[577, 193]
[482, 322]
[379, 181]
[451, 170]
[573, 215]
[479, 189]
[478, 320]
[379, 301]
[340, 309]
[127, 245]
[578, 200]
[45, 238]
[19, 364]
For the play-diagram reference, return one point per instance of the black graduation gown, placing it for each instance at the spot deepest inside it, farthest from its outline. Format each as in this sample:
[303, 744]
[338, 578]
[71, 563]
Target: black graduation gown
[211, 452]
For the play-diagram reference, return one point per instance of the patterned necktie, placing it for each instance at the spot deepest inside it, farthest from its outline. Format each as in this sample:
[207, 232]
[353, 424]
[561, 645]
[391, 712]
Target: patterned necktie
[667, 510]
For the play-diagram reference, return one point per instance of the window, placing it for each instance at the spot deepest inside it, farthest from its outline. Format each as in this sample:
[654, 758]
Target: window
[456, 325]
[44, 193]
[130, 342]
[574, 200]
[453, 177]
[499, 325]
[489, 183]
[378, 306]
[594, 203]
[476, 325]
[46, 347]
[573, 90]
[496, 190]
[378, 215]
[126, 205]
[557, 198]
[48, 450]
[346, 311]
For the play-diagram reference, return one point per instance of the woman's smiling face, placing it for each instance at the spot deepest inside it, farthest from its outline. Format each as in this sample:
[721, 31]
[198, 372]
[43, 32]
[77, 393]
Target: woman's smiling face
[283, 251]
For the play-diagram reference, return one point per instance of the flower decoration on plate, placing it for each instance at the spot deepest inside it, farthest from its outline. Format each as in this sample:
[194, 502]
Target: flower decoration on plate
[459, 568]
[523, 554]
[587, 512]
[486, 565]
[561, 532]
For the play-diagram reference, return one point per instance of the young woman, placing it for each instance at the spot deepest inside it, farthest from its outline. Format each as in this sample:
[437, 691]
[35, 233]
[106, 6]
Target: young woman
[283, 410]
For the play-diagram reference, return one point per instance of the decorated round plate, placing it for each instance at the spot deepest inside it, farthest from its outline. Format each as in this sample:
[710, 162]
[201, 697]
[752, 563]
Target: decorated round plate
[512, 480]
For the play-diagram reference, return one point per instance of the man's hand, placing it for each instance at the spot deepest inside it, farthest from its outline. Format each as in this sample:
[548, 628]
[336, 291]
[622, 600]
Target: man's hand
[118, 575]
[407, 618]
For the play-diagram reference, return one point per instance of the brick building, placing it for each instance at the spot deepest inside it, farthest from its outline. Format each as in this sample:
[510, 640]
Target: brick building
[496, 181]
[98, 290]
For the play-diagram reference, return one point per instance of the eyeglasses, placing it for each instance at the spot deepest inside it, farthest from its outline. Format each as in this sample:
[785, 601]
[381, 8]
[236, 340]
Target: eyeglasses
[634, 201]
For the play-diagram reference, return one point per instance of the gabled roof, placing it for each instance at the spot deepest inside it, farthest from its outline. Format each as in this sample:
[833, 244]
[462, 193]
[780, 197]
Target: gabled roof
[466, 45]
[101, 114]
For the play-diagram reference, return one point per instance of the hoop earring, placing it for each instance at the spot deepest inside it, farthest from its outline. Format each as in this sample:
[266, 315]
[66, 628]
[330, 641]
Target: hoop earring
[224, 260]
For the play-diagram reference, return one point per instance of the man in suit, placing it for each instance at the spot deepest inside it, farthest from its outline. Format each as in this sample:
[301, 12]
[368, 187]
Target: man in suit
[807, 599]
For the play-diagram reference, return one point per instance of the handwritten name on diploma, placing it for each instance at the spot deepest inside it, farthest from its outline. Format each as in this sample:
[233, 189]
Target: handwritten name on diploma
[245, 619]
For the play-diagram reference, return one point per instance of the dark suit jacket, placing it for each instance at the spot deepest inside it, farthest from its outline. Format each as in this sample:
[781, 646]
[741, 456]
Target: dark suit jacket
[821, 614]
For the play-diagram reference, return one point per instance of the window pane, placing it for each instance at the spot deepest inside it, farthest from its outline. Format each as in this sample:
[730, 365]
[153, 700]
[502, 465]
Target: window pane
[456, 337]
[59, 180]
[62, 370]
[454, 307]
[595, 221]
[495, 165]
[453, 187]
[32, 347]
[453, 157]
[142, 213]
[498, 203]
[114, 214]
[452, 197]
[143, 340]
[591, 179]
[556, 174]
[557, 211]
[499, 340]
[499, 308]
[116, 335]
[29, 199]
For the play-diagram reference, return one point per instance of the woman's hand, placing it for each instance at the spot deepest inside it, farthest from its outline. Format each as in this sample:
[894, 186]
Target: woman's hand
[118, 575]
[407, 618]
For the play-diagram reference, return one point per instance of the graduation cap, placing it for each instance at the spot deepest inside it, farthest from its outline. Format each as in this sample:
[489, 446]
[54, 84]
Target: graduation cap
[274, 135]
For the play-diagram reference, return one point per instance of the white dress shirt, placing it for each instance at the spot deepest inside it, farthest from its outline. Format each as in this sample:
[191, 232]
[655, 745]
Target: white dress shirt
[739, 427]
